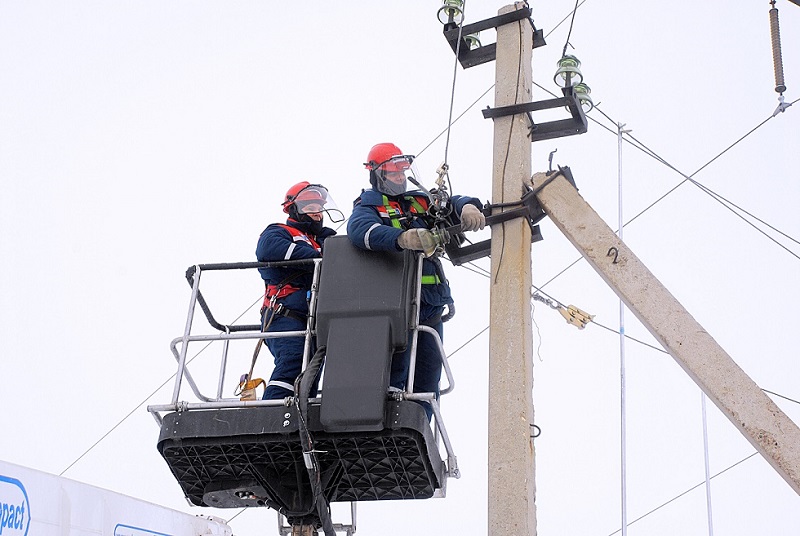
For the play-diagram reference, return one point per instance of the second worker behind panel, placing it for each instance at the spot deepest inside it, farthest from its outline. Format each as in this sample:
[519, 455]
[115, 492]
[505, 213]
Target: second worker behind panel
[286, 300]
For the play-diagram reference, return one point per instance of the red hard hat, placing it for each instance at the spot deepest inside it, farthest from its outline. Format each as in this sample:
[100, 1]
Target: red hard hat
[381, 153]
[291, 194]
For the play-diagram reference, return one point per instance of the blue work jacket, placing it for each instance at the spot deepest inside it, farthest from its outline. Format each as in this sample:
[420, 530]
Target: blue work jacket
[370, 227]
[276, 243]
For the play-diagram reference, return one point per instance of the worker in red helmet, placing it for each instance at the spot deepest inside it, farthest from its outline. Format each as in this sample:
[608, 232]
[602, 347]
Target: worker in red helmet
[387, 217]
[285, 300]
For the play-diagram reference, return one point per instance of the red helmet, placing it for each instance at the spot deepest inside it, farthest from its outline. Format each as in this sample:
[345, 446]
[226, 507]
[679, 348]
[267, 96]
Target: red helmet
[292, 193]
[380, 154]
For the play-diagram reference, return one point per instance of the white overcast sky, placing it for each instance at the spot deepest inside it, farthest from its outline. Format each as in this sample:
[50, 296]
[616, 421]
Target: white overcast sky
[139, 138]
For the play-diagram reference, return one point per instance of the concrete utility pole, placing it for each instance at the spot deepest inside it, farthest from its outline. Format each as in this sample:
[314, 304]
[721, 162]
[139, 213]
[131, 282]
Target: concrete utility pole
[753, 413]
[512, 488]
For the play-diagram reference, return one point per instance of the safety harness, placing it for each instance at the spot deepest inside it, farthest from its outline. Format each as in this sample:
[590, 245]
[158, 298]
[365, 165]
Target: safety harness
[393, 211]
[246, 390]
[273, 293]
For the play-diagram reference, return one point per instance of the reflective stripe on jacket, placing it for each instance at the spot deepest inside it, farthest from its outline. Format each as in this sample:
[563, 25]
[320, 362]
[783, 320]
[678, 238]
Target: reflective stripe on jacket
[376, 223]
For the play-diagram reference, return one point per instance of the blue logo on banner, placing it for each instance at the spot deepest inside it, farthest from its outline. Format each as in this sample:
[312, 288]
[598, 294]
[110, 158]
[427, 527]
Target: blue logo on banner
[15, 510]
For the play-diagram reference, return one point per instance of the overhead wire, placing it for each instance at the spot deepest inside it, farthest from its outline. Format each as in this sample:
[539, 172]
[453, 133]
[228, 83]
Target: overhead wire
[446, 130]
[622, 368]
[719, 198]
[709, 192]
[675, 498]
[781, 396]
[454, 121]
[482, 272]
[569, 33]
[633, 141]
[640, 146]
[151, 395]
[554, 28]
[598, 324]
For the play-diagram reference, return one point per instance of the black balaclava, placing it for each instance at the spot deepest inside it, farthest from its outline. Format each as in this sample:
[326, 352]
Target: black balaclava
[307, 224]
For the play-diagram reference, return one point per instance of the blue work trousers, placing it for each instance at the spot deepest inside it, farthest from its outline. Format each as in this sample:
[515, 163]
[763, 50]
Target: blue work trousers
[288, 354]
[428, 368]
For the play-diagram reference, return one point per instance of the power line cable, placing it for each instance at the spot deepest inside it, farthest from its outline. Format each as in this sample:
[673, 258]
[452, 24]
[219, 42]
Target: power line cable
[637, 144]
[469, 341]
[446, 130]
[726, 202]
[564, 19]
[569, 34]
[640, 146]
[719, 198]
[476, 101]
[560, 304]
[684, 493]
[781, 396]
[611, 330]
[151, 395]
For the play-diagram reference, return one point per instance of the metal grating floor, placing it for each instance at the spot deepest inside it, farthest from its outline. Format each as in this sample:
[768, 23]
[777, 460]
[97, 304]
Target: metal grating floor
[230, 458]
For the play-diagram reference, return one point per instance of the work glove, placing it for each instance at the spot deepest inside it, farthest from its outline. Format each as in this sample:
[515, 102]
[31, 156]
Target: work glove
[420, 240]
[472, 219]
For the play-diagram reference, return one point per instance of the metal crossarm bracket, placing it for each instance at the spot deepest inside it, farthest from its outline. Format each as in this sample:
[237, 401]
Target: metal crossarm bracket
[483, 54]
[577, 124]
[527, 207]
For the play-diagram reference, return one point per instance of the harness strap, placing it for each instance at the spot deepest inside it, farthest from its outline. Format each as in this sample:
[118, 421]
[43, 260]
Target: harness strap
[300, 236]
[282, 310]
[272, 293]
[392, 210]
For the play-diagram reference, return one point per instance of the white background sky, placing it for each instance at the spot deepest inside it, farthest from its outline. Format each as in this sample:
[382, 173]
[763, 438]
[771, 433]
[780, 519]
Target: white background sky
[137, 139]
